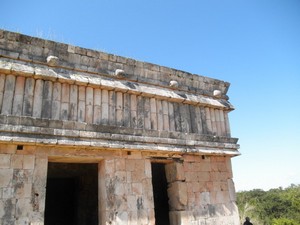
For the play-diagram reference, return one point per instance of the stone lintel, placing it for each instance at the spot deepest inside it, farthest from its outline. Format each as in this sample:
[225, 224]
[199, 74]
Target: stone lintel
[115, 145]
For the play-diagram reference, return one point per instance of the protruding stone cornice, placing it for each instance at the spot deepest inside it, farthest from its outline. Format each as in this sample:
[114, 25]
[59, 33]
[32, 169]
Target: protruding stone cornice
[62, 75]
[26, 130]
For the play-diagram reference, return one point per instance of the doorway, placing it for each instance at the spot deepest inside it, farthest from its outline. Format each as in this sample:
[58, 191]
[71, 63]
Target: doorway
[72, 194]
[160, 193]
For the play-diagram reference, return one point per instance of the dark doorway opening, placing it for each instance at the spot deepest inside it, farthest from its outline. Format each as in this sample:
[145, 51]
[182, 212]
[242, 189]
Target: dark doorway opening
[72, 194]
[160, 193]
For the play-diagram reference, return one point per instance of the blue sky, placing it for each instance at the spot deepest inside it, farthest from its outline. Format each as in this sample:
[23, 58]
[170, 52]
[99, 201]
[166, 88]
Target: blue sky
[254, 45]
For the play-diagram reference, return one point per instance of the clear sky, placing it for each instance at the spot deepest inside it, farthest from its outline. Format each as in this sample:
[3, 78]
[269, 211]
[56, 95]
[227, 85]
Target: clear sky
[254, 45]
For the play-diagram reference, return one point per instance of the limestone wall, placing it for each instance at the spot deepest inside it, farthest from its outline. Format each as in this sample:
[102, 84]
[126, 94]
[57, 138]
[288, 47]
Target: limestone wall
[22, 187]
[61, 103]
[200, 189]
[126, 193]
[125, 190]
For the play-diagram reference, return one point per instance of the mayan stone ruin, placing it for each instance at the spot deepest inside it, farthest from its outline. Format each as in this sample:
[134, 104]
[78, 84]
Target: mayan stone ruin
[92, 138]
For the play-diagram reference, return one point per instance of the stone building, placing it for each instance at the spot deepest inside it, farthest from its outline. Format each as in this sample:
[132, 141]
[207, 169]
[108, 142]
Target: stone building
[93, 138]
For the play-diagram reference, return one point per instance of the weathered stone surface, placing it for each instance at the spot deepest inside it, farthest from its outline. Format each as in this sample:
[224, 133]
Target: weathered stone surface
[174, 84]
[5, 161]
[177, 193]
[94, 107]
[52, 60]
[38, 99]
[21, 69]
[6, 177]
[8, 94]
[179, 217]
[174, 172]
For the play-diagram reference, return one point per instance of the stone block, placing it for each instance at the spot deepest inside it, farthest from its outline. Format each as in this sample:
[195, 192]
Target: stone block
[191, 176]
[13, 120]
[21, 69]
[68, 125]
[8, 94]
[135, 155]
[80, 126]
[137, 188]
[22, 190]
[17, 161]
[120, 189]
[23, 207]
[37, 218]
[229, 167]
[231, 190]
[148, 193]
[37, 223]
[143, 218]
[40, 171]
[28, 162]
[89, 114]
[71, 49]
[7, 193]
[7, 210]
[38, 99]
[97, 114]
[219, 176]
[22, 221]
[5, 67]
[132, 218]
[137, 176]
[201, 186]
[130, 165]
[3, 119]
[46, 74]
[6, 177]
[192, 158]
[20, 175]
[174, 172]
[120, 164]
[191, 186]
[148, 171]
[219, 197]
[204, 176]
[219, 166]
[204, 198]
[131, 201]
[202, 167]
[121, 176]
[110, 166]
[55, 123]
[178, 197]
[122, 218]
[179, 217]
[5, 161]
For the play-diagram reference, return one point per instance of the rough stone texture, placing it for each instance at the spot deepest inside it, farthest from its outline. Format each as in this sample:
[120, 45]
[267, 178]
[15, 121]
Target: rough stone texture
[81, 110]
[174, 172]
[127, 186]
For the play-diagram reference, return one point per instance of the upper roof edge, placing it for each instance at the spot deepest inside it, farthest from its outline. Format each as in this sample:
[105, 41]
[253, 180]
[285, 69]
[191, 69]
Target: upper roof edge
[33, 49]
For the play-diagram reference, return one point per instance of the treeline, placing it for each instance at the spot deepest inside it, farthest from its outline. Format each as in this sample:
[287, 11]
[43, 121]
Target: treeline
[274, 207]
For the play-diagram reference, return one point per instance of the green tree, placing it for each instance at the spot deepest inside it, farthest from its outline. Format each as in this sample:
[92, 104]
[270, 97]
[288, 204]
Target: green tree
[284, 221]
[247, 202]
[274, 207]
